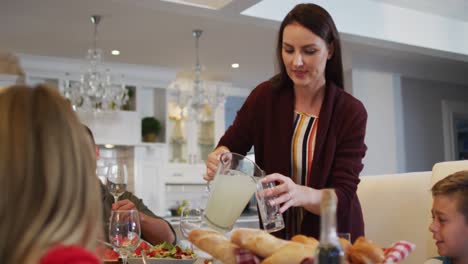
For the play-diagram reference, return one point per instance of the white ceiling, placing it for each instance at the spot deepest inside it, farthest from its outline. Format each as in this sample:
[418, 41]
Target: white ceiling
[152, 32]
[457, 9]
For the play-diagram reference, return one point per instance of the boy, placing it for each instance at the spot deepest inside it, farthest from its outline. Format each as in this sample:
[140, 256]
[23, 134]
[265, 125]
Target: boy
[450, 219]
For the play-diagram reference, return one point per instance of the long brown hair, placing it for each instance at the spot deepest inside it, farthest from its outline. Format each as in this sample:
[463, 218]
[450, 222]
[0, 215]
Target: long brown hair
[47, 172]
[319, 21]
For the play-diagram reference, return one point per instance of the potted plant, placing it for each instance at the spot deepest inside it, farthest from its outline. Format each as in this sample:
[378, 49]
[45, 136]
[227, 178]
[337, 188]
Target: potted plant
[150, 128]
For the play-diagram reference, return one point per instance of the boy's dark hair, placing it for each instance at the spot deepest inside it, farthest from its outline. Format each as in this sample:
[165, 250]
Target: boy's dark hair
[455, 185]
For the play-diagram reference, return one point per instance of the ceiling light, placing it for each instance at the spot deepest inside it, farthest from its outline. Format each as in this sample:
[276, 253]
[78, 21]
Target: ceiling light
[109, 146]
[235, 65]
[200, 97]
[115, 52]
[95, 91]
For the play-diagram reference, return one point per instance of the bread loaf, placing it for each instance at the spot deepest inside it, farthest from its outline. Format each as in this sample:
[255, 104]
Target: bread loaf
[291, 253]
[305, 240]
[363, 251]
[215, 244]
[257, 241]
[345, 245]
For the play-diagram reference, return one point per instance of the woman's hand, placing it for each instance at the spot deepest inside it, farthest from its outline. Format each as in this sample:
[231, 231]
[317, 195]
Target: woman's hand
[289, 194]
[212, 162]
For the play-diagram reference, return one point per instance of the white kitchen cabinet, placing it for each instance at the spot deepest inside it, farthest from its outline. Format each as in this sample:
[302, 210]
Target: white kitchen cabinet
[117, 128]
[149, 180]
[153, 170]
[179, 173]
[7, 80]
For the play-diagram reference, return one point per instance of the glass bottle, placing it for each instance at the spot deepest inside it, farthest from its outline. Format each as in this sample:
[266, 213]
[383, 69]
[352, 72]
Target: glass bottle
[329, 250]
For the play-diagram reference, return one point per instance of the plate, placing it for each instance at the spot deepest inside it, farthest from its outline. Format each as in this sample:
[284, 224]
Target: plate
[161, 261]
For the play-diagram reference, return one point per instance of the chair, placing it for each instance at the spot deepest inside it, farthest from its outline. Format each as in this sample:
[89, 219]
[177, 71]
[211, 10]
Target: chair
[444, 169]
[396, 207]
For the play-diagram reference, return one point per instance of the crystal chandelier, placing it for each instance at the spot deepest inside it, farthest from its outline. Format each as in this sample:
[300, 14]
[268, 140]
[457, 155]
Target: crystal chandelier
[95, 91]
[200, 96]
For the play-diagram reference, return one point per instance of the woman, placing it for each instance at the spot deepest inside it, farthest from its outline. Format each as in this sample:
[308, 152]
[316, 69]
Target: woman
[52, 209]
[308, 133]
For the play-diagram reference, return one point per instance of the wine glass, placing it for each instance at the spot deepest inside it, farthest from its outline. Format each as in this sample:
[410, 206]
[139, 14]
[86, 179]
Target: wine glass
[124, 232]
[117, 176]
[190, 219]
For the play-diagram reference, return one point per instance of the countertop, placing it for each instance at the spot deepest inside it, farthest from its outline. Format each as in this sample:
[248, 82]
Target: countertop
[244, 218]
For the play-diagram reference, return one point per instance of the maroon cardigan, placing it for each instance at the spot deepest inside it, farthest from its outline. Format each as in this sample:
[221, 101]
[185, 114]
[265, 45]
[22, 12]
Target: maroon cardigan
[266, 122]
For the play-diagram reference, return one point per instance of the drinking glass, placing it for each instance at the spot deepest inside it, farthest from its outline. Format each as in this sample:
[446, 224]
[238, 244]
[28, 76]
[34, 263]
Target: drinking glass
[190, 219]
[124, 232]
[346, 236]
[272, 219]
[117, 177]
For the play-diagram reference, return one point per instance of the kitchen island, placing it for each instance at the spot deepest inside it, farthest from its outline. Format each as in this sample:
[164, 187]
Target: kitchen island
[249, 220]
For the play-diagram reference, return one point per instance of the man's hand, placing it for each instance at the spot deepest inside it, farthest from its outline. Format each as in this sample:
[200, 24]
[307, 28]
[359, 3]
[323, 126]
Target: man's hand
[123, 205]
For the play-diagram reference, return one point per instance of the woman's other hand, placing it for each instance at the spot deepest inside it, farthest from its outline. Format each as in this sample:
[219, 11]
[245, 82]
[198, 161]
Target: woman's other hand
[289, 194]
[212, 162]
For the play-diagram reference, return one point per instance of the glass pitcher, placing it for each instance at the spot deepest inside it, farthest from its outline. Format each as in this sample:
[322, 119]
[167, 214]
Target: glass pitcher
[230, 191]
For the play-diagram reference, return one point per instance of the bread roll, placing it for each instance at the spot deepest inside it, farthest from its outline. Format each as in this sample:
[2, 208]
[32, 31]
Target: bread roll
[215, 244]
[257, 241]
[345, 245]
[291, 253]
[363, 251]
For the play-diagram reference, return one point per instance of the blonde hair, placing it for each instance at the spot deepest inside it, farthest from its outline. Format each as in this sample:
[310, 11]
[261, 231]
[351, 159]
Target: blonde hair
[455, 185]
[47, 172]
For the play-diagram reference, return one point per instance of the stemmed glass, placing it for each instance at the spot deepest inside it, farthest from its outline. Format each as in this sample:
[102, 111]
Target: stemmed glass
[117, 176]
[124, 232]
[190, 219]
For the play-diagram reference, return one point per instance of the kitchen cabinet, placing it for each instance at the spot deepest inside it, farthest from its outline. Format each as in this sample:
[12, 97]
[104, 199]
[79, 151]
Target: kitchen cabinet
[149, 179]
[7, 80]
[117, 128]
[177, 173]
[153, 168]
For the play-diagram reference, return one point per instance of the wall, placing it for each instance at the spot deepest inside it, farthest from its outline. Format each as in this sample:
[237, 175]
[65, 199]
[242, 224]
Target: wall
[402, 92]
[380, 94]
[422, 105]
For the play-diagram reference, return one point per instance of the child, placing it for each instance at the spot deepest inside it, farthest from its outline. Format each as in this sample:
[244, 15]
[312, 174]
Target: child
[450, 219]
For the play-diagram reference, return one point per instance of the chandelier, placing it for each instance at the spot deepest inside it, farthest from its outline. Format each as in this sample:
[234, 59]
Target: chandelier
[201, 98]
[95, 91]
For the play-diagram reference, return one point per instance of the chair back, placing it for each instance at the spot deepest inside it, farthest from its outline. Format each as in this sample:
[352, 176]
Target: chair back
[444, 169]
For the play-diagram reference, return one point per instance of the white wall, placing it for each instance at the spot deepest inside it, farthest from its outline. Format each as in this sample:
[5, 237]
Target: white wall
[403, 97]
[422, 105]
[380, 94]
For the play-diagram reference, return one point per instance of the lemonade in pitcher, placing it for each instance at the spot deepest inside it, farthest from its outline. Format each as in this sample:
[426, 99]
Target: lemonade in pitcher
[232, 187]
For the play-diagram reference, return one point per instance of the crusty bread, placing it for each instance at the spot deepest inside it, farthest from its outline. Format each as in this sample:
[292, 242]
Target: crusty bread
[215, 244]
[257, 241]
[305, 240]
[275, 250]
[292, 253]
[345, 245]
[363, 251]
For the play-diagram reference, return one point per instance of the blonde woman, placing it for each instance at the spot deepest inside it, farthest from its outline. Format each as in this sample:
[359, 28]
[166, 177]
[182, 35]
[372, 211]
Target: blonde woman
[50, 211]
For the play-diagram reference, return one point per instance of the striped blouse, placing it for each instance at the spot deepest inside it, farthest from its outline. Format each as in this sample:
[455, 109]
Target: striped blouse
[302, 154]
[302, 146]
